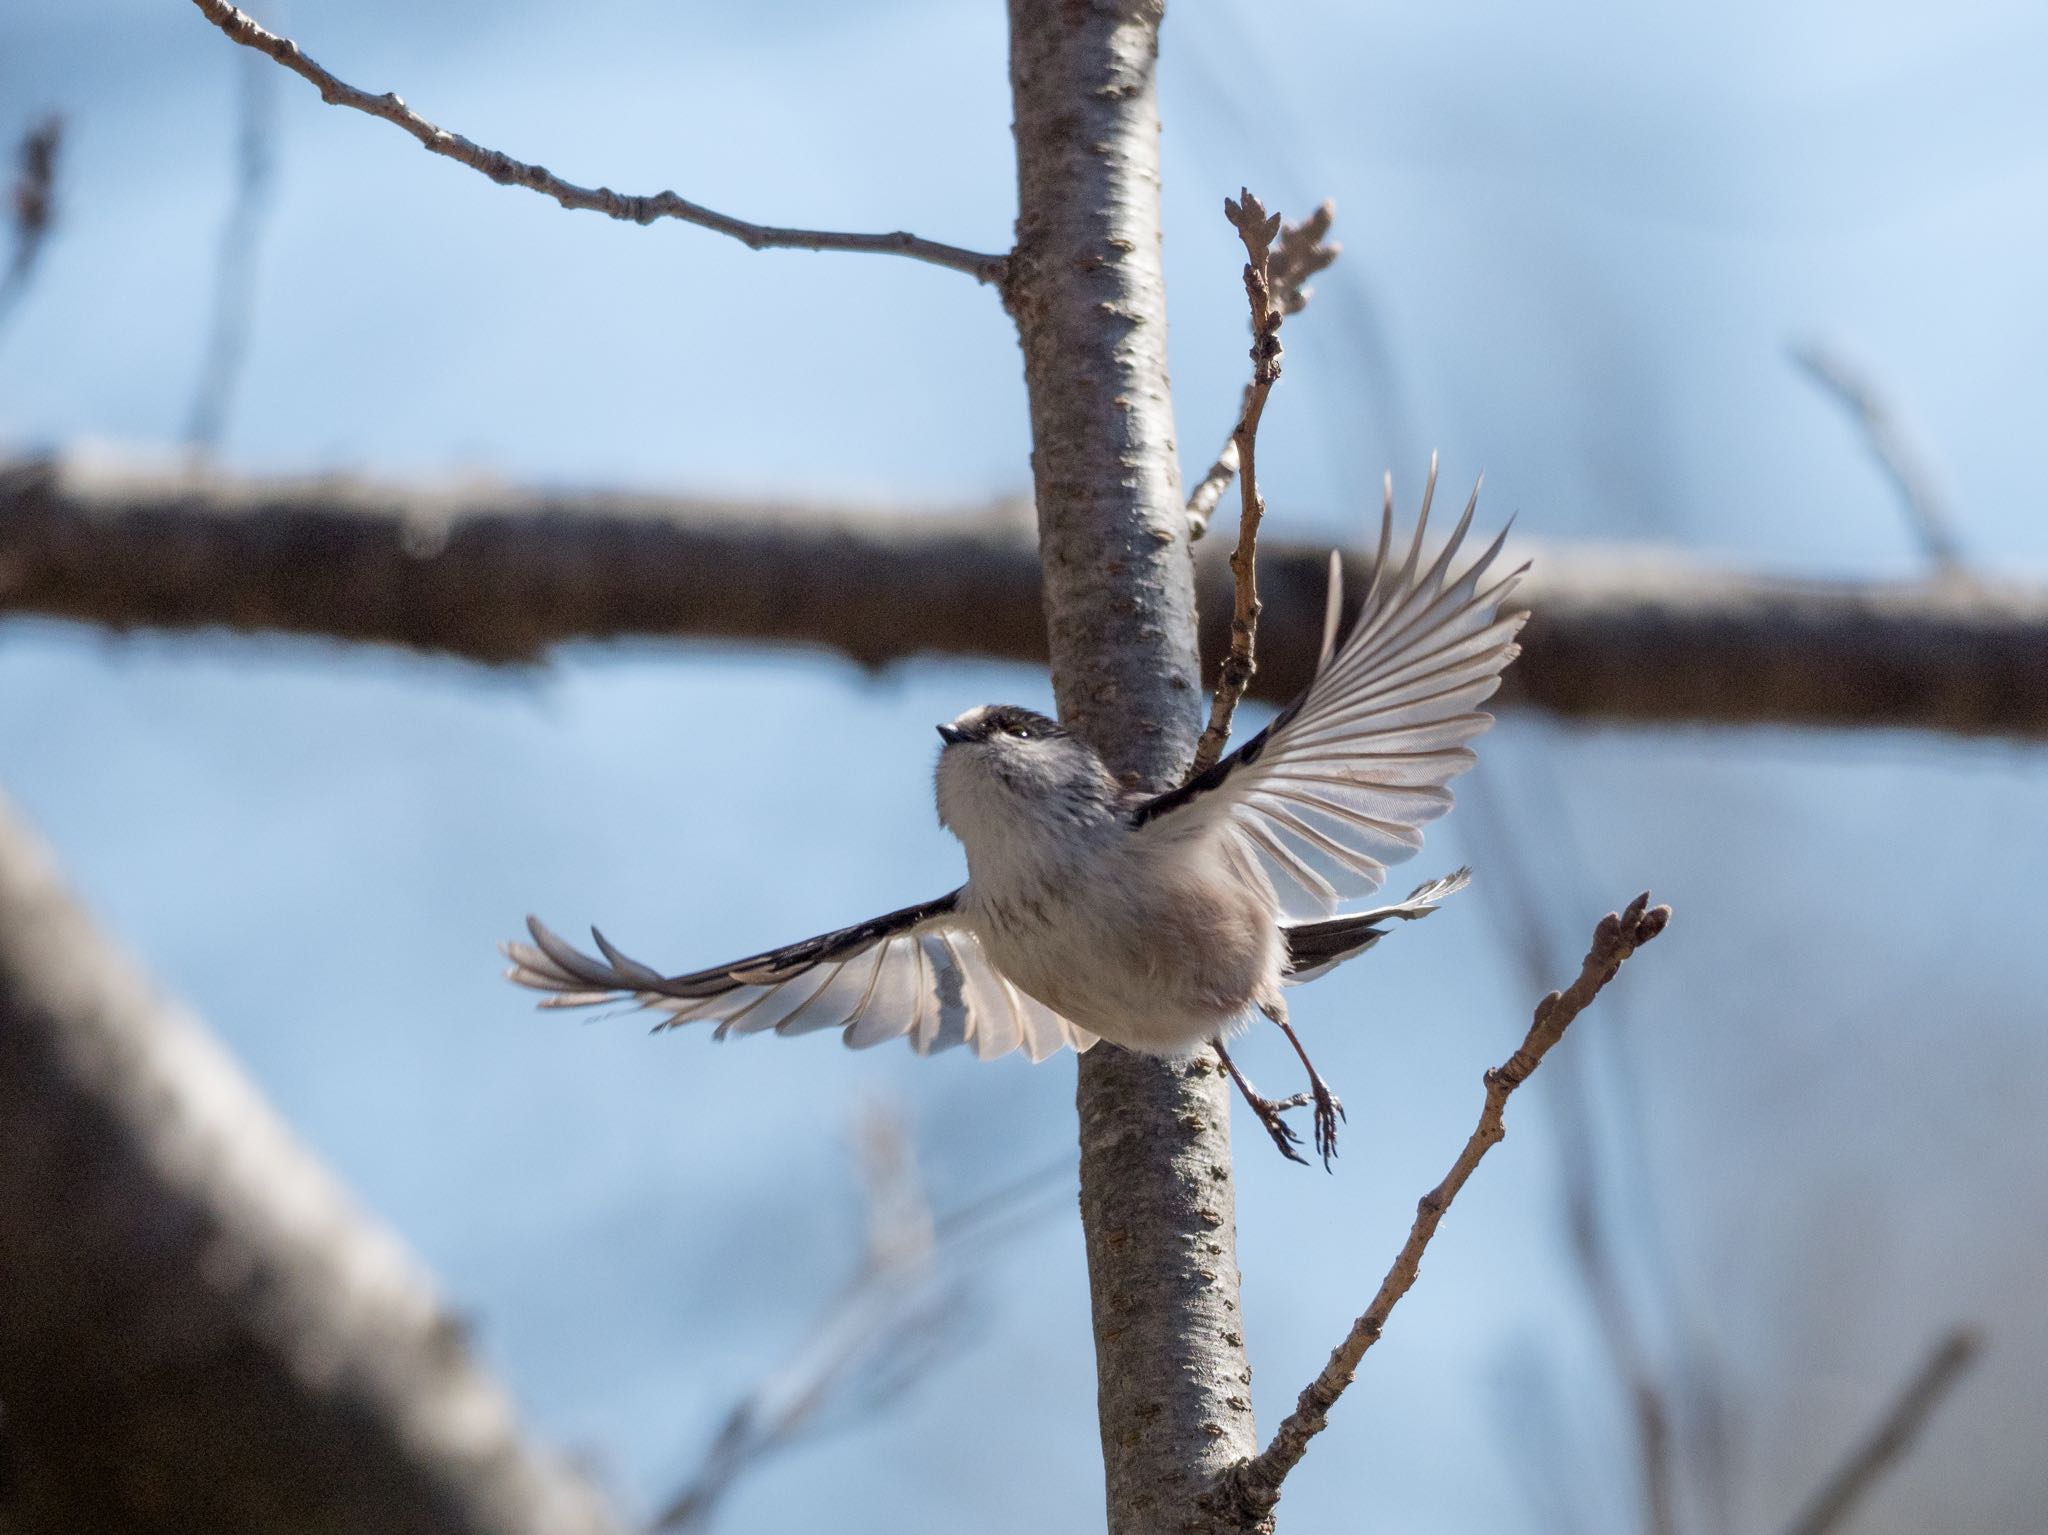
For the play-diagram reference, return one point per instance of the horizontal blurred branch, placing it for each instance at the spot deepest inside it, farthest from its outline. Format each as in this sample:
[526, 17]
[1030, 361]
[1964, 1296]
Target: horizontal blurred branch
[506, 171]
[1254, 1485]
[1892, 1440]
[499, 575]
[200, 1330]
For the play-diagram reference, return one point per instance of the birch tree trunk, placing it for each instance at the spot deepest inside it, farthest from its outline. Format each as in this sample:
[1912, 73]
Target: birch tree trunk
[1085, 287]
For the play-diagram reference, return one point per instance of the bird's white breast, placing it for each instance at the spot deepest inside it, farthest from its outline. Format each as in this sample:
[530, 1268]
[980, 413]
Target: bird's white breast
[1154, 947]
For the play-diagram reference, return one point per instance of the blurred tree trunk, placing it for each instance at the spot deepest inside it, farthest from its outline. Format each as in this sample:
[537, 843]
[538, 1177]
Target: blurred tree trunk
[201, 1331]
[1085, 286]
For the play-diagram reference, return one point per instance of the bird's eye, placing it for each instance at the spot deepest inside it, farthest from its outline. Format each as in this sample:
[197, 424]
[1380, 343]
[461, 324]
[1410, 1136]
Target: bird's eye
[1021, 732]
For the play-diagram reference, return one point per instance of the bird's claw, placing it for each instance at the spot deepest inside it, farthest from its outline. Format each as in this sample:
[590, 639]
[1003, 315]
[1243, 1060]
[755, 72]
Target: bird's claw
[1329, 1109]
[1282, 1132]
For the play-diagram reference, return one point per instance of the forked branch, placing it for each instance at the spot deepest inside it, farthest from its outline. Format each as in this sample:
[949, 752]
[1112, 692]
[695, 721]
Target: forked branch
[1254, 1486]
[1258, 230]
[506, 171]
[1301, 251]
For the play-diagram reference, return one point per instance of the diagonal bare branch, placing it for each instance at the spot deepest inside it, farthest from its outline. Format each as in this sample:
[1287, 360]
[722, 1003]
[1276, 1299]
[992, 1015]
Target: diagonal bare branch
[905, 1310]
[636, 209]
[34, 208]
[1254, 1485]
[1891, 443]
[1892, 1439]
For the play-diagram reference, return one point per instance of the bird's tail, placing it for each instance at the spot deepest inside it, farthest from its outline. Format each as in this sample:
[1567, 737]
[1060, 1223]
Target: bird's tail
[1313, 947]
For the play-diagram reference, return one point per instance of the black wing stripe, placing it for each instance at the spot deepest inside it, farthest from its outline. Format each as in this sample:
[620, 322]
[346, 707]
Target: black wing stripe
[595, 978]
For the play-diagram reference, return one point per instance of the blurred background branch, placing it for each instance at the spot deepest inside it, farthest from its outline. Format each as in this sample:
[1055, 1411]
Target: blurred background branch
[1892, 444]
[32, 209]
[203, 1331]
[234, 271]
[1894, 1436]
[908, 1308]
[500, 575]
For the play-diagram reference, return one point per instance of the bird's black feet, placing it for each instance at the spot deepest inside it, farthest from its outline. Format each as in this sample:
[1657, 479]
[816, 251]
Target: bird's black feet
[1269, 1111]
[1329, 1109]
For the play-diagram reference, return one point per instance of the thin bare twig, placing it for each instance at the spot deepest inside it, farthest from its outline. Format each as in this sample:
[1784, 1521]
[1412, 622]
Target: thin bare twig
[1893, 1437]
[506, 171]
[1298, 255]
[902, 1312]
[1255, 1484]
[234, 279]
[1892, 444]
[34, 208]
[1258, 231]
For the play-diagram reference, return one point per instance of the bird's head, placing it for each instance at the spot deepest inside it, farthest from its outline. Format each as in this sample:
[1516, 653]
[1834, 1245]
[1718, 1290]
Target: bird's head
[1005, 768]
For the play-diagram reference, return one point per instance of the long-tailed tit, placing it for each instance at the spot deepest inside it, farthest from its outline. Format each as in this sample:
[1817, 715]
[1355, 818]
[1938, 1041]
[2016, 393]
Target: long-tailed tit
[1157, 922]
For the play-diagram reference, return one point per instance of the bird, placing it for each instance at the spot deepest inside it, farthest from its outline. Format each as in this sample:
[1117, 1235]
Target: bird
[1160, 922]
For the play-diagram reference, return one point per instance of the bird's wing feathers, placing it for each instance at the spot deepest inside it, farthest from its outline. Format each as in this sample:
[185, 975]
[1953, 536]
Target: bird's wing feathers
[1343, 780]
[1315, 948]
[919, 973]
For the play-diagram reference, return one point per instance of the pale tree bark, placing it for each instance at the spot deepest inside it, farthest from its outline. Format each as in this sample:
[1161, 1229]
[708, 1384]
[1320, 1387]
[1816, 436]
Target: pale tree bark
[201, 1331]
[1157, 1199]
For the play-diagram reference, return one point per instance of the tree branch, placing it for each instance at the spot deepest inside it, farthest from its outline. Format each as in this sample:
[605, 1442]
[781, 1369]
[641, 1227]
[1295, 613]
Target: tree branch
[506, 171]
[1302, 251]
[1891, 444]
[234, 271]
[1254, 1486]
[501, 576]
[33, 210]
[201, 1331]
[1892, 1440]
[1249, 219]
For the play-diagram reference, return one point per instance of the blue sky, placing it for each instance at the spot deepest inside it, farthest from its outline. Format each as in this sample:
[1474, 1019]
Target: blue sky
[1578, 245]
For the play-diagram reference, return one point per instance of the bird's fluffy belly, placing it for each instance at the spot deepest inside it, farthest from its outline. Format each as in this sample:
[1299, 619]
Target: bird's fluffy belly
[1159, 970]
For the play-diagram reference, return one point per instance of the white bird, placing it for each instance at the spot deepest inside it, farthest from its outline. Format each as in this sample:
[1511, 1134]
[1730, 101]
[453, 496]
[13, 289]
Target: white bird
[1157, 922]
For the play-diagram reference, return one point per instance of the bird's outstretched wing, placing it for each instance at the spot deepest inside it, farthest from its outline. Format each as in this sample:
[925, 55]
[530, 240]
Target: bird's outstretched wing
[919, 974]
[1343, 780]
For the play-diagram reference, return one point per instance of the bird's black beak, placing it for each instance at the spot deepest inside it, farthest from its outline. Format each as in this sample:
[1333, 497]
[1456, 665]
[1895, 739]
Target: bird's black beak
[953, 736]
